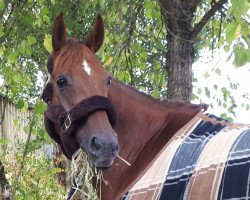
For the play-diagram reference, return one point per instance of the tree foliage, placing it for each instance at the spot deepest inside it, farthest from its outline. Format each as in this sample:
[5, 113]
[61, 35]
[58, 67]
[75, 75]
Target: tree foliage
[134, 50]
[228, 28]
[135, 43]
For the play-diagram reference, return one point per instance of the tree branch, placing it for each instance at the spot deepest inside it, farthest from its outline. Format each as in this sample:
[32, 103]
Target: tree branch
[130, 30]
[168, 9]
[25, 151]
[216, 6]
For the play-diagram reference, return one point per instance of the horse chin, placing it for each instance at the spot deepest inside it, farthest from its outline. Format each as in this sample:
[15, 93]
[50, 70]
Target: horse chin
[102, 166]
[101, 163]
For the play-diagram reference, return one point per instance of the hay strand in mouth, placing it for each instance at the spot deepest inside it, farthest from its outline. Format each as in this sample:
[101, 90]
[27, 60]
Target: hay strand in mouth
[123, 160]
[82, 172]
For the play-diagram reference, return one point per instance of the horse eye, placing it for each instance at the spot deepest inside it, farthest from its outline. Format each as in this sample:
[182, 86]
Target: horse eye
[61, 81]
[109, 80]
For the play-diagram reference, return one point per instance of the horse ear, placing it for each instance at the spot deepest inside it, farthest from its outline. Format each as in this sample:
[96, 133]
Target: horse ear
[95, 39]
[58, 33]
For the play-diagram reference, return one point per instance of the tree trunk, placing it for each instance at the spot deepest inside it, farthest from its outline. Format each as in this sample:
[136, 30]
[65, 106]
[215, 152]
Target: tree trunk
[178, 16]
[179, 67]
[181, 35]
[5, 190]
[61, 162]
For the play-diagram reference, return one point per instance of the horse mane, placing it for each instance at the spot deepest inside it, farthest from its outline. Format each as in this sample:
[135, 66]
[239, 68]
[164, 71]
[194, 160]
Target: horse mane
[142, 97]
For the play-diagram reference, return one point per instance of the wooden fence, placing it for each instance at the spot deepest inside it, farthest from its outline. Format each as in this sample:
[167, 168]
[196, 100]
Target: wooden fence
[12, 125]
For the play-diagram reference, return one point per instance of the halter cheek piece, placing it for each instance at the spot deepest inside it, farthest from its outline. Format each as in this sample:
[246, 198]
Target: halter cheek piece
[70, 121]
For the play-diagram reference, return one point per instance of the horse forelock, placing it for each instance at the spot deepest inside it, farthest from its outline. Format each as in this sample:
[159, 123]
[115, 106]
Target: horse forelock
[71, 55]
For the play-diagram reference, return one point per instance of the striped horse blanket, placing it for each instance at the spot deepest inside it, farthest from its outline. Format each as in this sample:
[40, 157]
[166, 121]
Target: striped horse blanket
[208, 158]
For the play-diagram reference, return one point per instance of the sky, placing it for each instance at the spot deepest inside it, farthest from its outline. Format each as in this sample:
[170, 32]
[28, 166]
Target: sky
[239, 75]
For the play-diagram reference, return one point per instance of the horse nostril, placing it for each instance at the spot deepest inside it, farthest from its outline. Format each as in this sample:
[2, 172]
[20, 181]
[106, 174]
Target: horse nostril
[116, 149]
[103, 146]
[95, 144]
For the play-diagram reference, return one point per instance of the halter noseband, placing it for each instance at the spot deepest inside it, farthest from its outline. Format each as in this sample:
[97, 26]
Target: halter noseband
[70, 121]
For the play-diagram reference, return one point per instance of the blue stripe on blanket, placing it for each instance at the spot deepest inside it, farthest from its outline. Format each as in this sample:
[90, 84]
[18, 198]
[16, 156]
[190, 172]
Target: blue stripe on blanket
[185, 159]
[236, 174]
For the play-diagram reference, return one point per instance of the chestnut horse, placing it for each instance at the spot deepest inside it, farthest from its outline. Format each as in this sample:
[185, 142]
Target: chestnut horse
[144, 124]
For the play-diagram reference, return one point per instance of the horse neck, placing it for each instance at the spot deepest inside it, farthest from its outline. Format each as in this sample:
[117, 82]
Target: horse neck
[139, 118]
[144, 126]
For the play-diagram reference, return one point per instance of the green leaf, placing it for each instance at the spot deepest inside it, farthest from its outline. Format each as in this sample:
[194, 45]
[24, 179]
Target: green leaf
[2, 49]
[124, 9]
[231, 33]
[12, 56]
[101, 2]
[2, 4]
[224, 116]
[226, 93]
[6, 70]
[23, 47]
[148, 14]
[207, 92]
[29, 19]
[240, 56]
[94, 3]
[230, 119]
[143, 54]
[44, 11]
[25, 106]
[206, 75]
[160, 46]
[120, 75]
[16, 122]
[53, 2]
[215, 87]
[46, 19]
[47, 42]
[26, 129]
[247, 107]
[40, 107]
[218, 71]
[16, 77]
[41, 1]
[4, 140]
[136, 47]
[226, 48]
[148, 4]
[156, 93]
[1, 32]
[20, 104]
[31, 40]
[245, 29]
[241, 7]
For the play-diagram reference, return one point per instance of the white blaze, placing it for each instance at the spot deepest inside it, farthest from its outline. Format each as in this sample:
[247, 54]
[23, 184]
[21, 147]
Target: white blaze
[86, 67]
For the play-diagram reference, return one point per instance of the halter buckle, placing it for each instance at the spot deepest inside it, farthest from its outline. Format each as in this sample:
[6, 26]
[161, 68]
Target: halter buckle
[67, 122]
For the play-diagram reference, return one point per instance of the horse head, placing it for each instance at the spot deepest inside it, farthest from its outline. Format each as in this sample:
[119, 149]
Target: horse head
[80, 85]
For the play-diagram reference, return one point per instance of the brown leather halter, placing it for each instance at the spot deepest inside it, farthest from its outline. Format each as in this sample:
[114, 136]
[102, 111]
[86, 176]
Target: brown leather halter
[70, 121]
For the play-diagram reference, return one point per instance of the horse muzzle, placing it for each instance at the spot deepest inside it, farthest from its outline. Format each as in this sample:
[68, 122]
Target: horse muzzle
[101, 148]
[102, 151]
